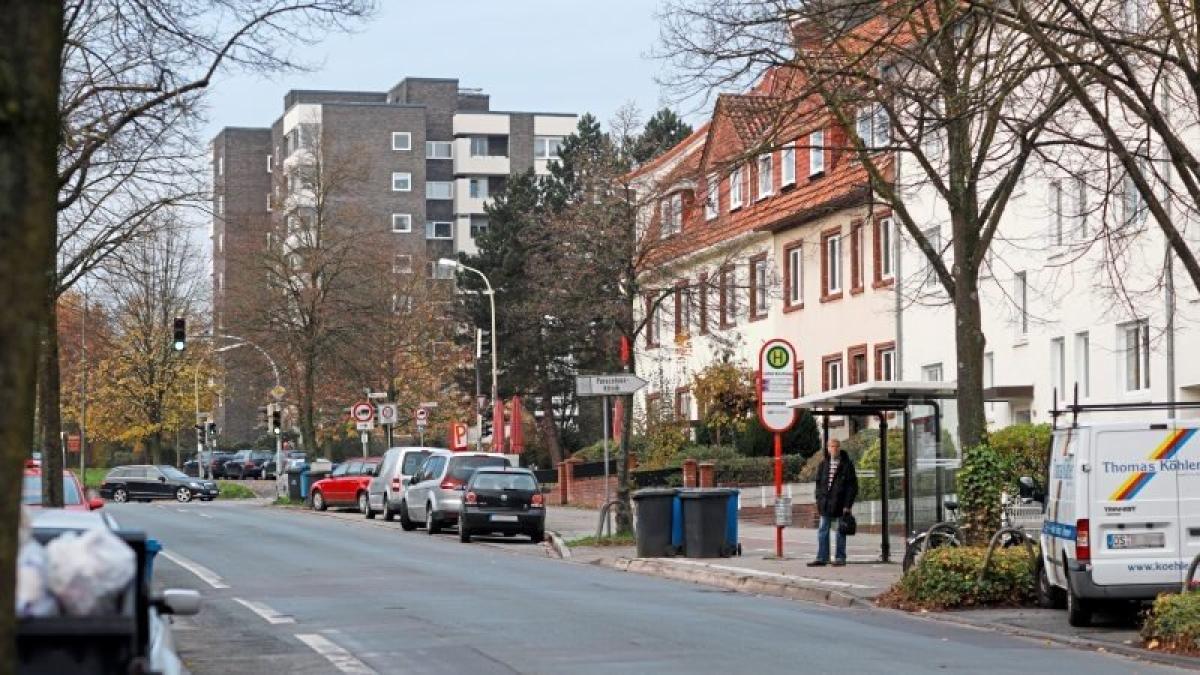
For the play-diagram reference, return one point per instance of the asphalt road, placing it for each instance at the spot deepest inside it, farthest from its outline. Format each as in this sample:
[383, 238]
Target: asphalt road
[290, 592]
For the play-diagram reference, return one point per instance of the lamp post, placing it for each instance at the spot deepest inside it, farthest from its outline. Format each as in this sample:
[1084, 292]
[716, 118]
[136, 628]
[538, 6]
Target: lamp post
[454, 264]
[276, 393]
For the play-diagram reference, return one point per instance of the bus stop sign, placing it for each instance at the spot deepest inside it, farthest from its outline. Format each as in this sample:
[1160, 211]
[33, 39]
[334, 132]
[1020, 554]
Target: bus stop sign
[776, 385]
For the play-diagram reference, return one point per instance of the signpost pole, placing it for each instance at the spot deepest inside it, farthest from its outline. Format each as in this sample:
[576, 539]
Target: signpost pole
[365, 438]
[778, 491]
[776, 385]
[604, 403]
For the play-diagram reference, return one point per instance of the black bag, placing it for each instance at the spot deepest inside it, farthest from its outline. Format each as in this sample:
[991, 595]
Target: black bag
[847, 525]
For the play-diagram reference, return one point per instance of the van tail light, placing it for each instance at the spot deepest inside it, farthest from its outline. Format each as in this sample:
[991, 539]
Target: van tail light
[395, 485]
[453, 484]
[1083, 540]
[538, 500]
[470, 498]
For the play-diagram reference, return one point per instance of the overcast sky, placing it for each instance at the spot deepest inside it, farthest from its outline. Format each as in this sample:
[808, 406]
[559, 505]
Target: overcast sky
[541, 55]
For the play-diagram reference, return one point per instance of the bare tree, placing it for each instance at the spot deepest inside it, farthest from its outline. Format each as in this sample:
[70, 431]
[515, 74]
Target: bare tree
[937, 102]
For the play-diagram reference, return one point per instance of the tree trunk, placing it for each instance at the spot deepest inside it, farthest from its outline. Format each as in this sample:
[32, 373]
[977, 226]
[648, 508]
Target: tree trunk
[308, 411]
[49, 410]
[549, 428]
[969, 346]
[29, 83]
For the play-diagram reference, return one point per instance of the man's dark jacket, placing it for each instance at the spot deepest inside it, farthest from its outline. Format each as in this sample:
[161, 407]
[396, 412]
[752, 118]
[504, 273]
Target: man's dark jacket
[833, 500]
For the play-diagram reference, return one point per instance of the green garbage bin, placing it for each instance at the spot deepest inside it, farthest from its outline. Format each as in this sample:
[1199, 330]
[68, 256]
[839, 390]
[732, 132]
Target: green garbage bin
[654, 509]
[706, 516]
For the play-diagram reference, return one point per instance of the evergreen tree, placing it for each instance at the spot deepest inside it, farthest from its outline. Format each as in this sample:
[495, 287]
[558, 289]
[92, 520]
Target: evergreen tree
[663, 131]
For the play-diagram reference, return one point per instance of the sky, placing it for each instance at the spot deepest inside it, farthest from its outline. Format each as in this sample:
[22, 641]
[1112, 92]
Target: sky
[536, 55]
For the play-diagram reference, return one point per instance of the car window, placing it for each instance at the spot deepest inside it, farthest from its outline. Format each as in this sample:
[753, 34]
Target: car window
[173, 473]
[385, 467]
[153, 473]
[355, 469]
[117, 473]
[340, 470]
[503, 481]
[31, 491]
[433, 468]
[134, 472]
[413, 461]
[462, 467]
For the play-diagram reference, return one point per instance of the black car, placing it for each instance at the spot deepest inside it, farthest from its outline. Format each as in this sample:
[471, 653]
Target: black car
[505, 500]
[216, 464]
[143, 482]
[248, 464]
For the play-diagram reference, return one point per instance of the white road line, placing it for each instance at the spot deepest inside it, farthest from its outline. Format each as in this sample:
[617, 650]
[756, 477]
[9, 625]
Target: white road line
[202, 514]
[340, 658]
[206, 575]
[268, 614]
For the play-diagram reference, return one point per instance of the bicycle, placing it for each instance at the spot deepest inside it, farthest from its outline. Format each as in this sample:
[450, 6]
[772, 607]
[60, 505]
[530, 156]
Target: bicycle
[945, 533]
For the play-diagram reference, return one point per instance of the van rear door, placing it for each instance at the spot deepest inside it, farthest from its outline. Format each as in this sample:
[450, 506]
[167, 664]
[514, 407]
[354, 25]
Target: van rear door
[1134, 507]
[1185, 464]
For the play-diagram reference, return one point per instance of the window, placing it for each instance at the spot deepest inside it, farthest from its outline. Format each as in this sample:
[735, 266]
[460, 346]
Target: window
[220, 284]
[885, 363]
[546, 147]
[934, 236]
[885, 248]
[1058, 366]
[401, 222]
[1132, 202]
[479, 225]
[873, 127]
[831, 373]
[651, 319]
[220, 242]
[683, 310]
[1135, 348]
[656, 320]
[931, 372]
[270, 201]
[989, 370]
[220, 164]
[705, 290]
[1021, 298]
[816, 153]
[437, 271]
[712, 197]
[439, 230]
[1133, 15]
[683, 405]
[439, 189]
[270, 163]
[759, 290]
[856, 258]
[478, 188]
[401, 181]
[787, 165]
[671, 214]
[728, 297]
[1056, 213]
[794, 275]
[1083, 365]
[1081, 207]
[858, 365]
[439, 150]
[401, 140]
[766, 184]
[831, 259]
[479, 146]
[402, 264]
[220, 205]
[735, 188]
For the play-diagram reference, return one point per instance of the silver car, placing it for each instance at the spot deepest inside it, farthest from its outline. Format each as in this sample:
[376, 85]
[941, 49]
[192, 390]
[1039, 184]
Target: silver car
[434, 495]
[386, 490]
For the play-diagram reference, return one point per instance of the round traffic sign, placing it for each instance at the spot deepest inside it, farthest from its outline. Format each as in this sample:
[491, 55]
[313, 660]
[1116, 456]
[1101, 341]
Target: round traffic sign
[387, 413]
[362, 412]
[422, 414]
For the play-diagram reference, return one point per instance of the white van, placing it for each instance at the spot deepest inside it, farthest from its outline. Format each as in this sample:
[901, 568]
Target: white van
[1122, 513]
[386, 490]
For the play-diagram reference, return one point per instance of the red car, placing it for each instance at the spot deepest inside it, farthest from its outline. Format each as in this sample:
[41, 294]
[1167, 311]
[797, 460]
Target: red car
[346, 486]
[74, 498]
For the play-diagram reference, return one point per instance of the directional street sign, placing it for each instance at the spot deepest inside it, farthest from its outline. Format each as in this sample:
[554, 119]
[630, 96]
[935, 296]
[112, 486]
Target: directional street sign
[617, 384]
[386, 412]
[776, 385]
[377, 395]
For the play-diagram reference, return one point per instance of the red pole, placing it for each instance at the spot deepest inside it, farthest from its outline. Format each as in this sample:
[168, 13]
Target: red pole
[778, 491]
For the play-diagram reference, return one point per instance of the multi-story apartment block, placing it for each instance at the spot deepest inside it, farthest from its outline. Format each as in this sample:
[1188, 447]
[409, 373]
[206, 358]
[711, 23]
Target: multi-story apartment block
[428, 155]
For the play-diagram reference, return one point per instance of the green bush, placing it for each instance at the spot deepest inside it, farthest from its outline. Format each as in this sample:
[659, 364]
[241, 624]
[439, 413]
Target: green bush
[802, 439]
[1025, 449]
[755, 470]
[980, 481]
[948, 577]
[232, 490]
[1174, 623]
[868, 487]
[808, 472]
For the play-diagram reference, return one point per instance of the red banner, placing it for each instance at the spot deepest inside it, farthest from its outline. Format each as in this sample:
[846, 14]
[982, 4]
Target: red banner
[516, 433]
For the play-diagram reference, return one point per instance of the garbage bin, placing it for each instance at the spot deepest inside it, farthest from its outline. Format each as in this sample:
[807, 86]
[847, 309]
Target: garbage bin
[311, 476]
[153, 546]
[295, 490]
[655, 522]
[706, 527]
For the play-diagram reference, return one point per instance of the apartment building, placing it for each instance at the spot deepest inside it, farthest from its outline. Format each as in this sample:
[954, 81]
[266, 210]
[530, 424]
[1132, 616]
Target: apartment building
[428, 154]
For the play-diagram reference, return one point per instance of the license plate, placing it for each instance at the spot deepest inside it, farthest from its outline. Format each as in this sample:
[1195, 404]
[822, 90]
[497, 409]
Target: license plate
[1141, 540]
[503, 519]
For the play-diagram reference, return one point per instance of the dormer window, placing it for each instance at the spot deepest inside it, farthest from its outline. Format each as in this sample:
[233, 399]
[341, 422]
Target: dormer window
[735, 188]
[671, 210]
[712, 197]
[766, 183]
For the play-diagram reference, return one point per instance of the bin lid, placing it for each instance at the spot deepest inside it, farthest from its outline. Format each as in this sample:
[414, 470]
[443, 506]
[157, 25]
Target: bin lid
[707, 493]
[655, 492]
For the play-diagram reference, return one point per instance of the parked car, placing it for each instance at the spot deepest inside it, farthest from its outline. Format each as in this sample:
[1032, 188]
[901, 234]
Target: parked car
[292, 459]
[216, 464]
[434, 495]
[386, 490]
[248, 464]
[346, 486]
[143, 482]
[74, 496]
[506, 500]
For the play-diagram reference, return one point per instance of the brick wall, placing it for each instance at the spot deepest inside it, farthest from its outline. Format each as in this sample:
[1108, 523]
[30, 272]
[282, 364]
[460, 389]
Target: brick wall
[589, 492]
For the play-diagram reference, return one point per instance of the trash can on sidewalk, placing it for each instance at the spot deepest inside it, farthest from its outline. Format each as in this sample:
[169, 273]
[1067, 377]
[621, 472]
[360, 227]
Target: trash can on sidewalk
[655, 508]
[153, 546]
[294, 483]
[706, 527]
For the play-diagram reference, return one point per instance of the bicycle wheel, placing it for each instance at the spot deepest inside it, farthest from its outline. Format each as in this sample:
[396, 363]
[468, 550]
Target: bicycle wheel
[938, 537]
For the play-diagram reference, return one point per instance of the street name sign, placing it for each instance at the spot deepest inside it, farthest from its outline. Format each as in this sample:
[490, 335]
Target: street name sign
[618, 384]
[776, 385]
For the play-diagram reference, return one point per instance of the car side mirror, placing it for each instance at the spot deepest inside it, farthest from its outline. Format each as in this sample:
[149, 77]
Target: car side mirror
[1026, 481]
[95, 503]
[180, 602]
[162, 479]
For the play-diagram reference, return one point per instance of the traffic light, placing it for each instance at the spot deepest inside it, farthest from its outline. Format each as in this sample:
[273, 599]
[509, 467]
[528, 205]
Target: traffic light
[483, 345]
[486, 420]
[180, 333]
[276, 421]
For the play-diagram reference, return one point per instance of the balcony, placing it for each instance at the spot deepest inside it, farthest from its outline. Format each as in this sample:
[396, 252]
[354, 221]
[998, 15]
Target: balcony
[465, 163]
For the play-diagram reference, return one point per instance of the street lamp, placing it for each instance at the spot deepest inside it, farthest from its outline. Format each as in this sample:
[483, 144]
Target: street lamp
[276, 393]
[454, 264]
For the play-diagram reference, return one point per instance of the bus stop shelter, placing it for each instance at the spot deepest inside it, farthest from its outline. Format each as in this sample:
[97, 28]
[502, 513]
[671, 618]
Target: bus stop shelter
[923, 411]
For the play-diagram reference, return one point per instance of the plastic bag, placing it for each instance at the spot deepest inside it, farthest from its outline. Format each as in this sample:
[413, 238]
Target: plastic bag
[85, 572]
[33, 595]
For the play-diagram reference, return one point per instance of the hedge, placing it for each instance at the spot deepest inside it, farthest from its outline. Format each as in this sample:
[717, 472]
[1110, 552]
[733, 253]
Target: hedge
[947, 578]
[1173, 623]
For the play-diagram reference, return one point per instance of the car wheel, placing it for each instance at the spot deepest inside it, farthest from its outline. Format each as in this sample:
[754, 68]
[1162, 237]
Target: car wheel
[120, 496]
[537, 536]
[318, 501]
[388, 514]
[464, 535]
[406, 523]
[1079, 611]
[432, 526]
[183, 495]
[1048, 596]
[364, 506]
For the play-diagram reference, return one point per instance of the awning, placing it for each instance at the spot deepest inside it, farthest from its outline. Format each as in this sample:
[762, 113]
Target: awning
[882, 395]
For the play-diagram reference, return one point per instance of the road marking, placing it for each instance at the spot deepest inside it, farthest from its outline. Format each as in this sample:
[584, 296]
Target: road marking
[340, 658]
[206, 575]
[202, 514]
[268, 614]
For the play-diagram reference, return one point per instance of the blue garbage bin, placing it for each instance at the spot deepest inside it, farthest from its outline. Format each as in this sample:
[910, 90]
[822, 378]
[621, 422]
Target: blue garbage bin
[305, 482]
[709, 522]
[153, 546]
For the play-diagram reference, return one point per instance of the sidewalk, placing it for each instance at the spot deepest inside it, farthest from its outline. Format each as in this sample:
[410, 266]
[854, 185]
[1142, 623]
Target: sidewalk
[757, 569]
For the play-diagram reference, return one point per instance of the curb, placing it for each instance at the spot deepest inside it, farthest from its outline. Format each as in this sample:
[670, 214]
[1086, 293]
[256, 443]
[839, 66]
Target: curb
[742, 583]
[558, 546]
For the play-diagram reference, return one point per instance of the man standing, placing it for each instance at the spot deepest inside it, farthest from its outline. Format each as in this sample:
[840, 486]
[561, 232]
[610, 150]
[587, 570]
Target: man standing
[837, 487]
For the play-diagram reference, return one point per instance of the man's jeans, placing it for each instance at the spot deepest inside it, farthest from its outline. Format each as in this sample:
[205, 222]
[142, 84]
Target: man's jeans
[823, 539]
